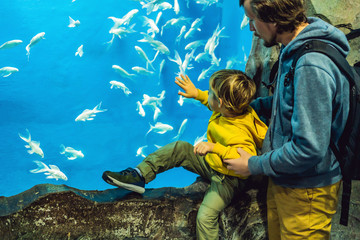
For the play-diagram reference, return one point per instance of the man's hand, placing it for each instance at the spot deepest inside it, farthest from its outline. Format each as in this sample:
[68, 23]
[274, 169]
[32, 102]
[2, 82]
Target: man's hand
[185, 83]
[203, 148]
[239, 165]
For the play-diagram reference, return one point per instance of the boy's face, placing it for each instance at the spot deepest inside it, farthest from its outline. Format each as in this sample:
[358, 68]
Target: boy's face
[213, 101]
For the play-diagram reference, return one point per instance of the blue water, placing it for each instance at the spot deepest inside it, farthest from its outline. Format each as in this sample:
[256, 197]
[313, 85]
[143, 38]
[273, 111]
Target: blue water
[54, 86]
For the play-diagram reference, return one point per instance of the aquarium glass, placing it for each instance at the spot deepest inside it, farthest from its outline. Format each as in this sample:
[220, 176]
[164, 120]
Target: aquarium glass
[74, 77]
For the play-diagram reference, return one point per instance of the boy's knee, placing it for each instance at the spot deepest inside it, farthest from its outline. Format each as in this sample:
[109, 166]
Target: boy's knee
[183, 144]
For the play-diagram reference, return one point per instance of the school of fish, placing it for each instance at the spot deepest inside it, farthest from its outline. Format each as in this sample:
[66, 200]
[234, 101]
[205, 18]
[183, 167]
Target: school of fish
[198, 50]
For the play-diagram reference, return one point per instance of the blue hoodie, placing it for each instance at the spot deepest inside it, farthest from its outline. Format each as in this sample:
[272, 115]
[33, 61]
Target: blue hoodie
[305, 114]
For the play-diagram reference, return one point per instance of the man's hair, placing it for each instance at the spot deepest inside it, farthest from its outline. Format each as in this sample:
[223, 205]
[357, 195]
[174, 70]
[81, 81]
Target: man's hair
[288, 14]
[235, 89]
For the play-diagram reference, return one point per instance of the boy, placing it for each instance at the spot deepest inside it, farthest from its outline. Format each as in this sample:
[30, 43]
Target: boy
[233, 124]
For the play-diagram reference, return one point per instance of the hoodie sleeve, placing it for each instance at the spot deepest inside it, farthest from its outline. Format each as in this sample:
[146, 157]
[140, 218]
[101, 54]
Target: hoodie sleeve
[314, 91]
[203, 97]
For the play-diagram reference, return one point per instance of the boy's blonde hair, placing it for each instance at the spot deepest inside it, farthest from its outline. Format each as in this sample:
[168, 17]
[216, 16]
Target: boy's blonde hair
[235, 89]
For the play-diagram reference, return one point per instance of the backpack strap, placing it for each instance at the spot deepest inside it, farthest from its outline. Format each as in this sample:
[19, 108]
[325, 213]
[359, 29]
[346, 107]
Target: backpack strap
[345, 68]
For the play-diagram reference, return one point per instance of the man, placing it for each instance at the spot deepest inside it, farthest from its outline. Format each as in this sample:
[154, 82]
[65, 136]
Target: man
[304, 174]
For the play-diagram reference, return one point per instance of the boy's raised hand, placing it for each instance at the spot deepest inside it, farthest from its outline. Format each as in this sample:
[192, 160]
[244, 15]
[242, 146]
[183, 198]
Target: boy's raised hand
[190, 91]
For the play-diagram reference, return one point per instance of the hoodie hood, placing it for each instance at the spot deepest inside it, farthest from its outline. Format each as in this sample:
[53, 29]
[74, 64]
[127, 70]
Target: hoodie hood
[319, 30]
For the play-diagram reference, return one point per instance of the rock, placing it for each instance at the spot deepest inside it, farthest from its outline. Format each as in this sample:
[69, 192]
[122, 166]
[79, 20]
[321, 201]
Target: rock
[49, 211]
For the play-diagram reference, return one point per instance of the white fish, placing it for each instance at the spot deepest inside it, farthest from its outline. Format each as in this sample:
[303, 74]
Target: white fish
[200, 139]
[160, 128]
[70, 153]
[122, 71]
[181, 129]
[73, 23]
[147, 100]
[195, 26]
[141, 70]
[175, 22]
[80, 51]
[157, 45]
[182, 32]
[158, 18]
[10, 44]
[52, 173]
[34, 146]
[140, 151]
[207, 3]
[157, 146]
[181, 100]
[176, 7]
[244, 22]
[183, 65]
[153, 27]
[116, 84]
[33, 41]
[213, 41]
[88, 114]
[145, 57]
[165, 6]
[202, 57]
[157, 111]
[162, 64]
[140, 109]
[125, 20]
[194, 45]
[7, 71]
[122, 31]
[204, 73]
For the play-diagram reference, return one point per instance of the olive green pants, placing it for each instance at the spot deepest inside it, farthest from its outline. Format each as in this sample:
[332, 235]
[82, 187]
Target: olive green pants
[218, 195]
[301, 213]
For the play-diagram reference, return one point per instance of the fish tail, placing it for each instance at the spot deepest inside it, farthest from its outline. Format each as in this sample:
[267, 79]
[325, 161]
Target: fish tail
[26, 139]
[41, 167]
[150, 62]
[151, 128]
[97, 108]
[62, 149]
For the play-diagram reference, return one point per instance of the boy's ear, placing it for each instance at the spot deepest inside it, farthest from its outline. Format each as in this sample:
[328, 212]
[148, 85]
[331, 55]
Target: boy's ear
[220, 103]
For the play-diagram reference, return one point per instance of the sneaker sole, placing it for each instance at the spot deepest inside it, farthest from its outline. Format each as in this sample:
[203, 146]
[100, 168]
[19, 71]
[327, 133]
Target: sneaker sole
[127, 186]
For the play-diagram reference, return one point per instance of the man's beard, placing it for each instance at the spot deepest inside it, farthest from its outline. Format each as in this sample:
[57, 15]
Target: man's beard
[270, 43]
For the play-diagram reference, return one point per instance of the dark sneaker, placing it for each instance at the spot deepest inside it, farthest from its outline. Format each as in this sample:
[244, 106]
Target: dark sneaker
[128, 179]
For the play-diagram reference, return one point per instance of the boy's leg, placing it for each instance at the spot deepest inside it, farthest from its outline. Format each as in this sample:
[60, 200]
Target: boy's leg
[217, 197]
[306, 213]
[172, 155]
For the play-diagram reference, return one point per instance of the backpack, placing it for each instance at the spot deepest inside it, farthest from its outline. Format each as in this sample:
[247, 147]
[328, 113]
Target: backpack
[347, 150]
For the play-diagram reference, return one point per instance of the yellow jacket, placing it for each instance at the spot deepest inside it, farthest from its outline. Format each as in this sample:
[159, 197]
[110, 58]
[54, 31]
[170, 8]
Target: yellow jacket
[228, 133]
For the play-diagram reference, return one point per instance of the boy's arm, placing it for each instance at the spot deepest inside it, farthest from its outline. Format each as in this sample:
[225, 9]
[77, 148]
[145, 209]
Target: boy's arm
[190, 91]
[203, 97]
[230, 151]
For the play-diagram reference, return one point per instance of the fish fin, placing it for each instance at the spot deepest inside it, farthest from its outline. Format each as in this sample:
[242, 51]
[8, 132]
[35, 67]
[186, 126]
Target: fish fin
[27, 146]
[54, 167]
[41, 167]
[71, 158]
[30, 151]
[89, 119]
